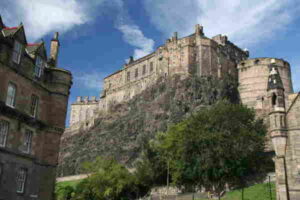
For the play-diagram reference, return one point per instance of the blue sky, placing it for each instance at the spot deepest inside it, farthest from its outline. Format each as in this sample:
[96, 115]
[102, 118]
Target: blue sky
[97, 36]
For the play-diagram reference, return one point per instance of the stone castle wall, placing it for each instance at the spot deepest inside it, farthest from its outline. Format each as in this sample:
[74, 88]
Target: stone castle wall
[194, 54]
[253, 79]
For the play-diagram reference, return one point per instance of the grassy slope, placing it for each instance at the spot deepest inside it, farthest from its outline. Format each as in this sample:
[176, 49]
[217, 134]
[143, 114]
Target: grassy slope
[255, 192]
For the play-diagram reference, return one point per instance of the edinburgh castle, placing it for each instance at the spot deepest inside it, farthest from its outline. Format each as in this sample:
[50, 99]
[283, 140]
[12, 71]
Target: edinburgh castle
[264, 84]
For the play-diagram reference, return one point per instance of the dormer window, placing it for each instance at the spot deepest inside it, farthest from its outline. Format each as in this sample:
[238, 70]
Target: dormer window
[39, 66]
[17, 52]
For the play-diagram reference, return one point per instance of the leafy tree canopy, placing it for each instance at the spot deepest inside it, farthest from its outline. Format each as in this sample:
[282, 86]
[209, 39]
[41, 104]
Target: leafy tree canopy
[219, 145]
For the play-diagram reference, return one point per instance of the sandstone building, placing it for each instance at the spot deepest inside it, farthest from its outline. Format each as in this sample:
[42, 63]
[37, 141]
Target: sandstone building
[194, 54]
[34, 94]
[265, 84]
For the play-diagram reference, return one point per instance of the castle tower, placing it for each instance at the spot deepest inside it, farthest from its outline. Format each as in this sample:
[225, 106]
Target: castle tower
[278, 129]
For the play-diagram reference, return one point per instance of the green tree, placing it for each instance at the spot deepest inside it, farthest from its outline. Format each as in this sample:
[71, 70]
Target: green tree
[219, 145]
[108, 180]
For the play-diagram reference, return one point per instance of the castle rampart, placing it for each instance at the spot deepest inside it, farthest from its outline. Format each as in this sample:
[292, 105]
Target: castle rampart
[191, 55]
[253, 76]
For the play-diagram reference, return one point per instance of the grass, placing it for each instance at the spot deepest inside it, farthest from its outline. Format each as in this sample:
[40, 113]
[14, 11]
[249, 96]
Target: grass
[255, 192]
[67, 183]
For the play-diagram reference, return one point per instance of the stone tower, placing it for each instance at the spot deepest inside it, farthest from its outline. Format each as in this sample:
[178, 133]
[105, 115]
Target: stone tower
[278, 129]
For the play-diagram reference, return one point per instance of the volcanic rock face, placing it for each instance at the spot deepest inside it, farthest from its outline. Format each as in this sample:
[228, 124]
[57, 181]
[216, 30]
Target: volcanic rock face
[121, 131]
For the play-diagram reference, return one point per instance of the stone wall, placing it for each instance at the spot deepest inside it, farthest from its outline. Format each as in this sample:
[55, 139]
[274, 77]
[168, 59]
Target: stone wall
[121, 131]
[293, 147]
[253, 78]
[191, 55]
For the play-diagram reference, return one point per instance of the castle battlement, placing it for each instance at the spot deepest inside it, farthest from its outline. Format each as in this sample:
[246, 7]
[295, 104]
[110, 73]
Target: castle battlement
[194, 54]
[86, 100]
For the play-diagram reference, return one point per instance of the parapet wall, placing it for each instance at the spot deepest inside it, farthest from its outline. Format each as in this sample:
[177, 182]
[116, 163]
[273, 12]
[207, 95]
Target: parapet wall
[85, 108]
[195, 54]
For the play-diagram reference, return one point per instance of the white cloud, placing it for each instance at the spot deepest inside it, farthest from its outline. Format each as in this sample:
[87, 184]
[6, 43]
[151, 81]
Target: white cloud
[132, 34]
[135, 37]
[90, 80]
[245, 22]
[44, 16]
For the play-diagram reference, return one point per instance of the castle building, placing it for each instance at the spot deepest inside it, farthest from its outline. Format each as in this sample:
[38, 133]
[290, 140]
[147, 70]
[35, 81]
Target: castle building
[284, 130]
[195, 54]
[265, 84]
[34, 94]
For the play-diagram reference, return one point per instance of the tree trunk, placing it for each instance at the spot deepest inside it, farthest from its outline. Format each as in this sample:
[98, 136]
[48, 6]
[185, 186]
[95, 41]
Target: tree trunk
[243, 193]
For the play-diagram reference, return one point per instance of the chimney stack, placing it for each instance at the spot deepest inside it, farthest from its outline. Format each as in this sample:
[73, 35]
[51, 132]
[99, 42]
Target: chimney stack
[54, 49]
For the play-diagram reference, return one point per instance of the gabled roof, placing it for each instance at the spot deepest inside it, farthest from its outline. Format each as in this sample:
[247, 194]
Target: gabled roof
[33, 48]
[12, 31]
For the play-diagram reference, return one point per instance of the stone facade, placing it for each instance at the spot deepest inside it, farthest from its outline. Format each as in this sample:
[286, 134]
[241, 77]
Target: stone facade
[194, 54]
[265, 85]
[33, 105]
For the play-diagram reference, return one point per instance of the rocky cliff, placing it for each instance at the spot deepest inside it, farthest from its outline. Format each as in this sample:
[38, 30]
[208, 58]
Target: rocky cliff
[121, 132]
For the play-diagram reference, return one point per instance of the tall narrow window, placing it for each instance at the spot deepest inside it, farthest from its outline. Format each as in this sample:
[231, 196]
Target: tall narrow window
[151, 66]
[11, 95]
[21, 179]
[128, 76]
[17, 52]
[39, 66]
[274, 99]
[136, 72]
[27, 141]
[4, 127]
[34, 105]
[144, 69]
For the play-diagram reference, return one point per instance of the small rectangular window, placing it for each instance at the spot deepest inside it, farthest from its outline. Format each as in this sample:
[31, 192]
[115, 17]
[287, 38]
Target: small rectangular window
[39, 66]
[17, 52]
[34, 105]
[151, 66]
[11, 95]
[27, 141]
[21, 179]
[4, 128]
[128, 76]
[136, 72]
[144, 69]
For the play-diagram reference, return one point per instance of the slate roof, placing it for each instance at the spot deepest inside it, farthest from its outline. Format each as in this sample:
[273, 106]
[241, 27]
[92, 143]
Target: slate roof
[274, 81]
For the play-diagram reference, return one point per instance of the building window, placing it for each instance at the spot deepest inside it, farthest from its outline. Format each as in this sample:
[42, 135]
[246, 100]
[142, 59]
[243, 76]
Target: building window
[136, 72]
[4, 127]
[144, 69]
[21, 179]
[11, 95]
[34, 105]
[39, 66]
[27, 141]
[151, 66]
[17, 52]
[128, 76]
